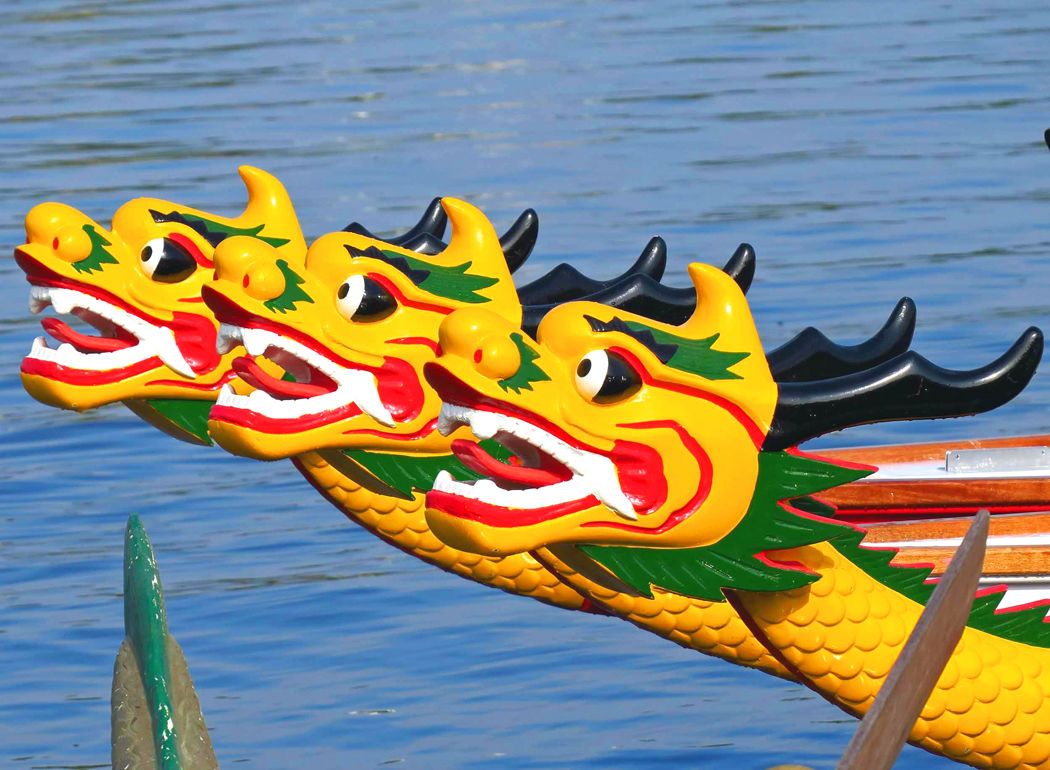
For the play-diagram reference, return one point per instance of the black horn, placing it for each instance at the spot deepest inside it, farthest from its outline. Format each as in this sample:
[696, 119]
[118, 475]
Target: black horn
[433, 223]
[810, 355]
[741, 266]
[564, 282]
[517, 243]
[1046, 138]
[907, 387]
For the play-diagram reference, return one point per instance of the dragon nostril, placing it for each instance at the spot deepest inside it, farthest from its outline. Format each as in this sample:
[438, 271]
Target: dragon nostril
[54, 244]
[246, 281]
[497, 357]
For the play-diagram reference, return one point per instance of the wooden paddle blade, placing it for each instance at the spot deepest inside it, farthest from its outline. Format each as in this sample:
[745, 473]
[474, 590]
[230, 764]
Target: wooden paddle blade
[885, 728]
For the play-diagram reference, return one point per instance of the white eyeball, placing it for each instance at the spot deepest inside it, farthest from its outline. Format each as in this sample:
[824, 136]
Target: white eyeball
[591, 372]
[165, 261]
[363, 300]
[606, 377]
[349, 295]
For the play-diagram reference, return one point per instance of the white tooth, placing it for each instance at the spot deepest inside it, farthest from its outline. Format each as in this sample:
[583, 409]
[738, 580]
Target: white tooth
[163, 342]
[255, 341]
[443, 481]
[62, 301]
[447, 421]
[363, 390]
[66, 349]
[40, 343]
[226, 392]
[39, 298]
[229, 337]
[484, 424]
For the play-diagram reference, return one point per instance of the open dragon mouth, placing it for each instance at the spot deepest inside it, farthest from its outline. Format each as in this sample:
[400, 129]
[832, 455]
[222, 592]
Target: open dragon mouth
[126, 344]
[550, 477]
[322, 391]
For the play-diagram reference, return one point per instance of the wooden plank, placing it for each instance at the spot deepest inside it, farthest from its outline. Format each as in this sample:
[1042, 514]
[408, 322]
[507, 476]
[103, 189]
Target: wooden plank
[996, 493]
[905, 453]
[1015, 524]
[1025, 561]
[885, 728]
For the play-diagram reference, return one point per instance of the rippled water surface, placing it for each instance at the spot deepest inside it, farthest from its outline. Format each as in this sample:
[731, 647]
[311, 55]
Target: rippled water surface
[867, 150]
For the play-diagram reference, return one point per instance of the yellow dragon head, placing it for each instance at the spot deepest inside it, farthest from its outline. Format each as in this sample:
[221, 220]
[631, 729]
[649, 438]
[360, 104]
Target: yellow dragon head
[139, 285]
[353, 329]
[632, 437]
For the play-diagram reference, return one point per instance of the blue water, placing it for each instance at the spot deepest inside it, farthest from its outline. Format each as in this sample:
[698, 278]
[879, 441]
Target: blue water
[867, 150]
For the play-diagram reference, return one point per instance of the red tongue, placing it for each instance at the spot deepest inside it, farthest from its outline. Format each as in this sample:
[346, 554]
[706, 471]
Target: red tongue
[254, 375]
[478, 460]
[85, 343]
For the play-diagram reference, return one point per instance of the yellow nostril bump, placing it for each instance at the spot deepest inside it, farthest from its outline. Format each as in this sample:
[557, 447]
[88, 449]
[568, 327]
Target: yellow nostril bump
[252, 264]
[71, 244]
[497, 357]
[263, 281]
[45, 220]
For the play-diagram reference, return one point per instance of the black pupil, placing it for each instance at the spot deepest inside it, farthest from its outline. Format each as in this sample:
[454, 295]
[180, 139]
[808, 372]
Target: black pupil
[344, 290]
[584, 368]
[376, 302]
[620, 381]
[174, 264]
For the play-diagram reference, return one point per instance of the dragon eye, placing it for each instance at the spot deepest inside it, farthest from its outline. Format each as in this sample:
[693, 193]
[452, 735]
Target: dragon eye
[605, 377]
[361, 299]
[166, 261]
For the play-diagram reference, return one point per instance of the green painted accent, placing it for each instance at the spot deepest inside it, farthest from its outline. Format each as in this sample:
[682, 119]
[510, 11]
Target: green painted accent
[146, 626]
[99, 255]
[1023, 625]
[291, 294]
[228, 230]
[703, 572]
[528, 372]
[696, 356]
[450, 282]
[188, 414]
[408, 473]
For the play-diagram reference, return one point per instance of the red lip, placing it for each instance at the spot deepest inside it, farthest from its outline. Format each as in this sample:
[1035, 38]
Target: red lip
[54, 371]
[495, 516]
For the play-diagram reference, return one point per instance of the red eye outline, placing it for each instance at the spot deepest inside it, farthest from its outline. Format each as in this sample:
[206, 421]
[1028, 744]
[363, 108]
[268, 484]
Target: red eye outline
[191, 249]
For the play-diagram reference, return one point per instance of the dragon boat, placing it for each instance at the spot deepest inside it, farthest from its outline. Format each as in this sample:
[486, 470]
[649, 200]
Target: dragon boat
[385, 491]
[660, 463]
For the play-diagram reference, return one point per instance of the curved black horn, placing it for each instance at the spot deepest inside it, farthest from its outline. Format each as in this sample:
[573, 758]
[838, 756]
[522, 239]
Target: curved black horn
[812, 356]
[907, 387]
[1046, 138]
[517, 243]
[741, 266]
[424, 243]
[433, 222]
[564, 282]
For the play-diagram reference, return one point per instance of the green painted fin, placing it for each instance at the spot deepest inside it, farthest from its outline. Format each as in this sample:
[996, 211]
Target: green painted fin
[185, 419]
[736, 561]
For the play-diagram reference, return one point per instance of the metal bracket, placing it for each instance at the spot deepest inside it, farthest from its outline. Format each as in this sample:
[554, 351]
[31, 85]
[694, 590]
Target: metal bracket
[1026, 458]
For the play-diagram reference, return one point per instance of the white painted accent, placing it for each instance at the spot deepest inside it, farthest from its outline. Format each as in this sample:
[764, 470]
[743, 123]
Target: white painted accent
[152, 340]
[353, 386]
[934, 470]
[593, 474]
[995, 541]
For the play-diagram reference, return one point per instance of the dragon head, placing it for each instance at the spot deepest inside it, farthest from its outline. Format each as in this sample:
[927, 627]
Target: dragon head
[352, 329]
[633, 437]
[139, 285]
[577, 409]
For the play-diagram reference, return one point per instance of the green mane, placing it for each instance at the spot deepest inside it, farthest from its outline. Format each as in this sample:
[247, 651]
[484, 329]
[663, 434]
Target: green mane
[734, 561]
